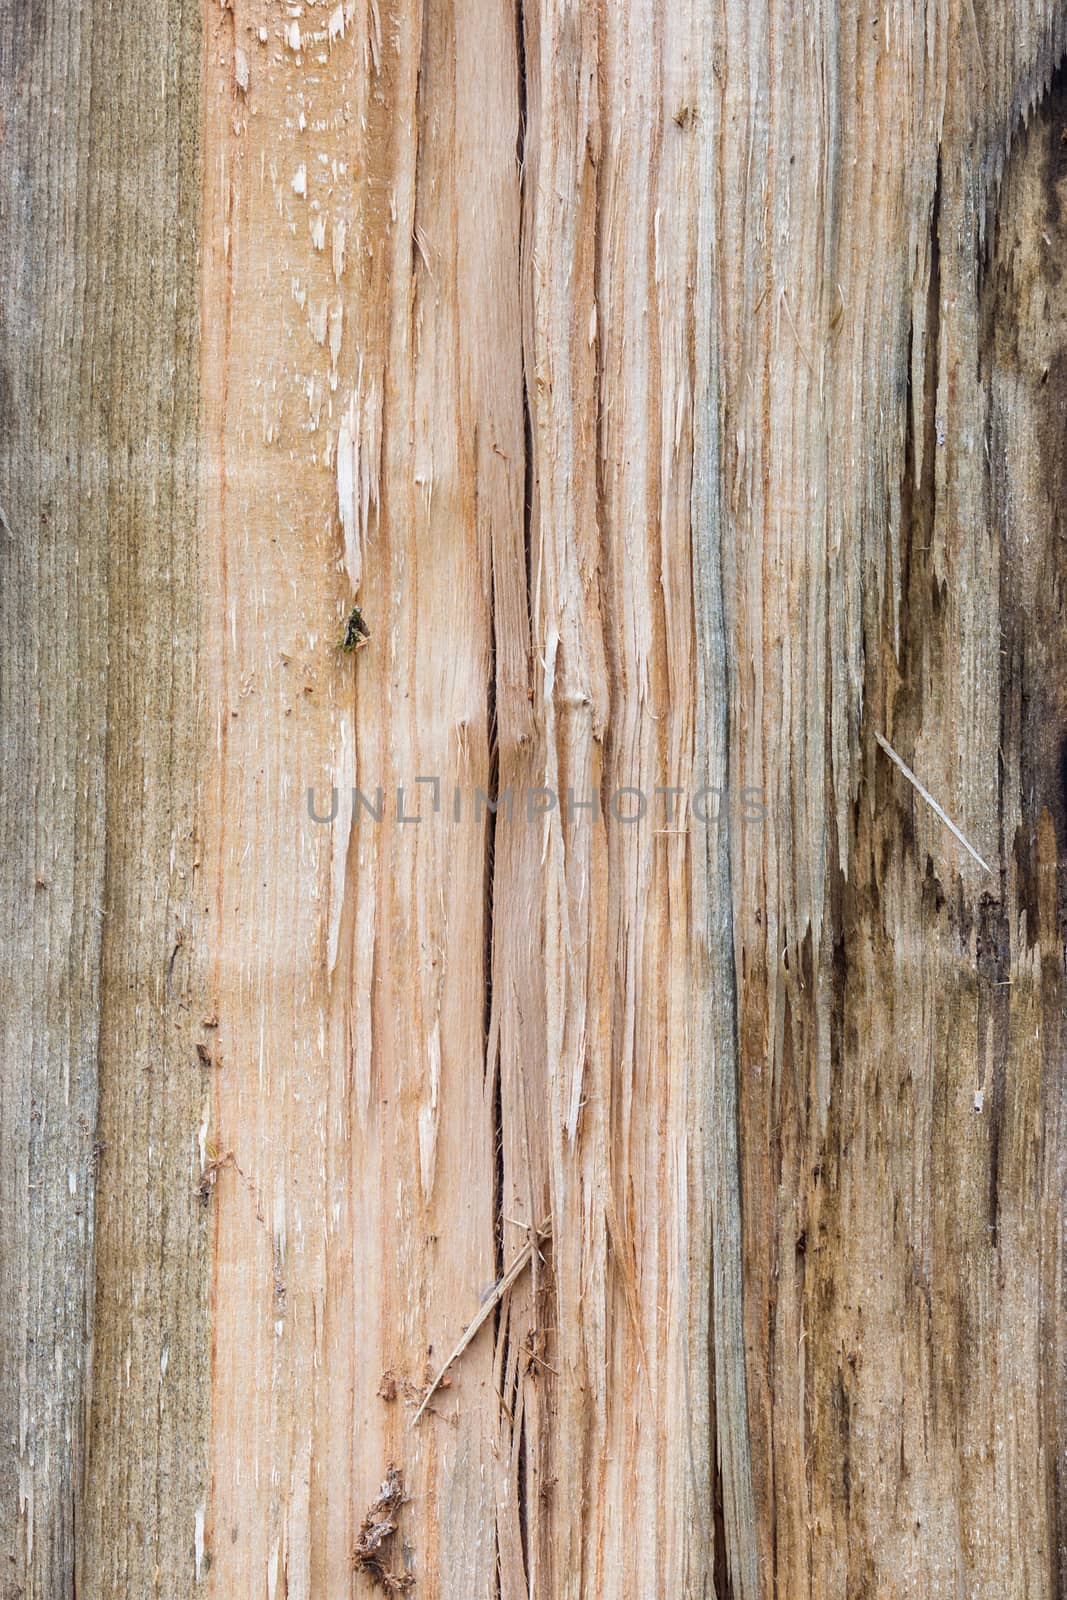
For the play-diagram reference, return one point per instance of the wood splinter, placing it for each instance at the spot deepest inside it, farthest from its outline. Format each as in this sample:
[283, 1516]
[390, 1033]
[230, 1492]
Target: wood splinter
[930, 801]
[489, 1305]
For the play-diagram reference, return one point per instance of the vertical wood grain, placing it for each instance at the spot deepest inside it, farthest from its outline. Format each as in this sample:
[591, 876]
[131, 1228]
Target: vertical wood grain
[680, 393]
[885, 1071]
[53, 682]
[364, 439]
[147, 1411]
[101, 1089]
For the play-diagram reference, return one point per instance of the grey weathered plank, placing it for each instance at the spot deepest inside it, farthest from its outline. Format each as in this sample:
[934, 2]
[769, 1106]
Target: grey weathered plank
[103, 1387]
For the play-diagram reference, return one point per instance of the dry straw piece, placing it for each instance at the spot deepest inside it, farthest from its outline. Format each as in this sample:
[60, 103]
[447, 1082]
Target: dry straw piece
[492, 1300]
[930, 801]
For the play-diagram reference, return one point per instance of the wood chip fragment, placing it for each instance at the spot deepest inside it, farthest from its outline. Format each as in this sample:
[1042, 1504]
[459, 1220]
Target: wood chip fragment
[377, 1530]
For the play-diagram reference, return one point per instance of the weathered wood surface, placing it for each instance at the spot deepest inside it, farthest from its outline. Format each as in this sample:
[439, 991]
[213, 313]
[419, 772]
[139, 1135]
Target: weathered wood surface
[682, 393]
[104, 1354]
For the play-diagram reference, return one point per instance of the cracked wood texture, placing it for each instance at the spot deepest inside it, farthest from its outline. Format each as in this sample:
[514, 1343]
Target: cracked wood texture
[682, 392]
